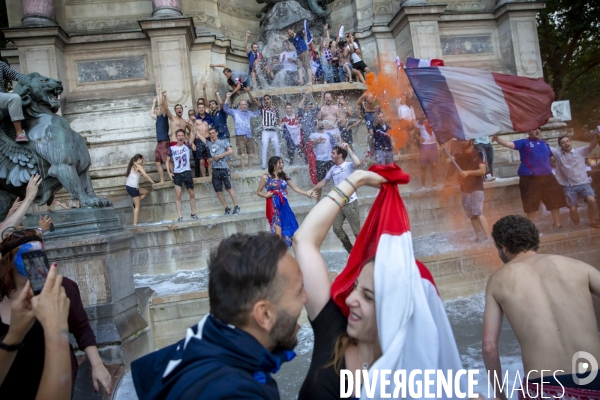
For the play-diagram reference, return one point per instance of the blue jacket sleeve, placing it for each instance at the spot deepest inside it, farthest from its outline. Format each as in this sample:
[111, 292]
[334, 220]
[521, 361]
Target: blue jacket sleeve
[230, 386]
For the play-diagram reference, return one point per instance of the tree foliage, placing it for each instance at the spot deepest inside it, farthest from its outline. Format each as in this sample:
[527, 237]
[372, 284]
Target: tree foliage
[569, 34]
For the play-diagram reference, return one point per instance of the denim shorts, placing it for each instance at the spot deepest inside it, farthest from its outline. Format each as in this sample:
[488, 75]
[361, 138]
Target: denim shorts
[571, 193]
[133, 192]
[473, 203]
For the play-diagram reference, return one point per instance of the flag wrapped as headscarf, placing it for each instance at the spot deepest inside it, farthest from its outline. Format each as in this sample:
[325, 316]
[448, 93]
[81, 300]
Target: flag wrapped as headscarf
[414, 331]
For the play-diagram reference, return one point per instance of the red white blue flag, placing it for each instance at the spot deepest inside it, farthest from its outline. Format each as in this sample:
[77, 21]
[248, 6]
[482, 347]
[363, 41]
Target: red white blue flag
[422, 62]
[466, 104]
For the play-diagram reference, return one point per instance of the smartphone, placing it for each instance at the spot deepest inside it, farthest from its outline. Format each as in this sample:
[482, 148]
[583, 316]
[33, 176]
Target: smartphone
[37, 267]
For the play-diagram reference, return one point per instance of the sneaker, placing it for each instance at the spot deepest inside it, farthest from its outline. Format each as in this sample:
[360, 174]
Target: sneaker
[490, 178]
[227, 210]
[22, 137]
[236, 210]
[194, 216]
[180, 219]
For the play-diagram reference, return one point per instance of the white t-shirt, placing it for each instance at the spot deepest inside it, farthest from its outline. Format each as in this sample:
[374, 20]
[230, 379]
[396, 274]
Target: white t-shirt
[426, 133]
[181, 158]
[340, 172]
[354, 57]
[323, 149]
[289, 64]
[407, 113]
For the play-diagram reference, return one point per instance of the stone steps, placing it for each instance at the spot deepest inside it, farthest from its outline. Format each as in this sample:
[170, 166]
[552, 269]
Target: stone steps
[165, 246]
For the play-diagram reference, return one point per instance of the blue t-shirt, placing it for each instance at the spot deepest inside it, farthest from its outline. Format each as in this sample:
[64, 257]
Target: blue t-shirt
[162, 128]
[299, 43]
[535, 157]
[220, 122]
[381, 138]
[207, 118]
[252, 56]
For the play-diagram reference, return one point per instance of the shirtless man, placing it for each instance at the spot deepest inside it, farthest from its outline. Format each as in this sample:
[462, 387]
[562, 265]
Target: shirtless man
[330, 115]
[344, 59]
[202, 122]
[367, 102]
[176, 121]
[345, 113]
[548, 302]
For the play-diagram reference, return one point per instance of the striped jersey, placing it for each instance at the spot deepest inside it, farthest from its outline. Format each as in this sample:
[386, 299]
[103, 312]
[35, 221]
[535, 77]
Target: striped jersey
[270, 118]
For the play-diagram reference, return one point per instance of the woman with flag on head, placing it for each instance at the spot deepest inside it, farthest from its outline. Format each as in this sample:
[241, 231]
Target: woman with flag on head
[383, 311]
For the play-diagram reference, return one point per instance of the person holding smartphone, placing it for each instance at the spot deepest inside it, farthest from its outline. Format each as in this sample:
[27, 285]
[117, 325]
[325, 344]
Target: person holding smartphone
[25, 374]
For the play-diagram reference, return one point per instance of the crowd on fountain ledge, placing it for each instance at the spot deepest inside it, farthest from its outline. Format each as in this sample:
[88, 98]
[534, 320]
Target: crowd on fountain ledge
[329, 61]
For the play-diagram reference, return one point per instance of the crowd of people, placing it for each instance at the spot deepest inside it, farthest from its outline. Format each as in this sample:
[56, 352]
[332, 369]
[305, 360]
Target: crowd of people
[257, 291]
[327, 60]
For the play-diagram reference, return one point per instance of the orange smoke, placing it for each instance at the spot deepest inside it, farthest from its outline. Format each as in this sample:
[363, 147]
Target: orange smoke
[388, 89]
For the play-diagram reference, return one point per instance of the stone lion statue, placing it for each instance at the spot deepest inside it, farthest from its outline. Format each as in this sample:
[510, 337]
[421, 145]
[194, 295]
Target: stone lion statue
[55, 151]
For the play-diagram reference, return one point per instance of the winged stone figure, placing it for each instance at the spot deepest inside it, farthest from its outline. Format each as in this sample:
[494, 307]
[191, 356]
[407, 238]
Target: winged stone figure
[55, 151]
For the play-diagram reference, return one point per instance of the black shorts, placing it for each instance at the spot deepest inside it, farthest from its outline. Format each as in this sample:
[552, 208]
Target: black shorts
[541, 188]
[323, 168]
[221, 177]
[183, 178]
[133, 192]
[359, 66]
[202, 150]
[346, 135]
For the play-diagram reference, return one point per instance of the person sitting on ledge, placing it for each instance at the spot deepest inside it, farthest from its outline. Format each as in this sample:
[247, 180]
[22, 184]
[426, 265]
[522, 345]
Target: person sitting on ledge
[256, 295]
[236, 79]
[10, 103]
[548, 302]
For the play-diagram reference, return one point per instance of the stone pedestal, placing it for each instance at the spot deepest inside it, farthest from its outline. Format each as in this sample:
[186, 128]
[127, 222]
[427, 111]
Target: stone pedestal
[91, 248]
[517, 31]
[416, 31]
[171, 41]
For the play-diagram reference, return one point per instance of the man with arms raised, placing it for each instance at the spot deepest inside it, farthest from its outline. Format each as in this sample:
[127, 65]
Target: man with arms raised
[159, 114]
[536, 181]
[256, 295]
[180, 155]
[345, 113]
[339, 172]
[367, 102]
[176, 121]
[548, 302]
[330, 115]
[572, 176]
[201, 124]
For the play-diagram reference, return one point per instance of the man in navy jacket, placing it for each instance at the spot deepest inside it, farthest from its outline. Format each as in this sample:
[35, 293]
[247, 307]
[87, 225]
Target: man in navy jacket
[256, 295]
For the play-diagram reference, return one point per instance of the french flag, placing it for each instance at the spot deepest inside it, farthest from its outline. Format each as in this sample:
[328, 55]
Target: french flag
[465, 103]
[414, 331]
[309, 39]
[422, 62]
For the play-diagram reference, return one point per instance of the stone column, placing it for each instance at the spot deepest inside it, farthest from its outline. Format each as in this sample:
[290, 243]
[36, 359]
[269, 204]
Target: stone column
[38, 13]
[165, 9]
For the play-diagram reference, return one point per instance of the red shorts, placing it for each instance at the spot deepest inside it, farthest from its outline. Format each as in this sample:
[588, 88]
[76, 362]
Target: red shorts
[160, 151]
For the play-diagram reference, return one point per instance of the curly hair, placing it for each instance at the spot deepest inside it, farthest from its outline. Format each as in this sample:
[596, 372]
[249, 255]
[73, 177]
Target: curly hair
[517, 233]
